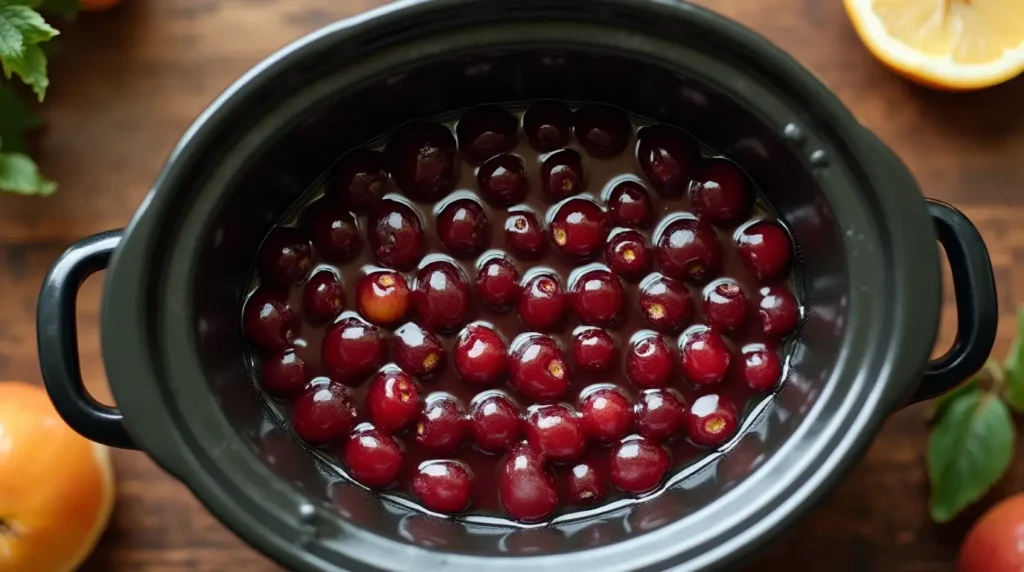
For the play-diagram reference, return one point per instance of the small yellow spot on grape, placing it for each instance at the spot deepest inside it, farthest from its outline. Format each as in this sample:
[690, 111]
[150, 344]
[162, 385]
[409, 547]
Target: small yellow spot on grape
[556, 368]
[714, 425]
[405, 393]
[560, 236]
[695, 270]
[430, 361]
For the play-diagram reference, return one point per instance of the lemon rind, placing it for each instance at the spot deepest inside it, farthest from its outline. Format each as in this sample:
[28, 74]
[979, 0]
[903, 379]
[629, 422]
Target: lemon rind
[941, 70]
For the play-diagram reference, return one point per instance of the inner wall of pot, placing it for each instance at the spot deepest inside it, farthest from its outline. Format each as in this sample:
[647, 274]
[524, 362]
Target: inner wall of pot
[292, 161]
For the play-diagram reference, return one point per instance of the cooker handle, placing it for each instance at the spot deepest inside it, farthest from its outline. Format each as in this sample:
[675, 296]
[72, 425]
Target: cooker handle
[977, 306]
[57, 333]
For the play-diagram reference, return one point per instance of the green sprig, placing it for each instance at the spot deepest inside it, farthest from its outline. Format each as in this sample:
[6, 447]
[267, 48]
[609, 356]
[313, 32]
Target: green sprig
[23, 30]
[972, 439]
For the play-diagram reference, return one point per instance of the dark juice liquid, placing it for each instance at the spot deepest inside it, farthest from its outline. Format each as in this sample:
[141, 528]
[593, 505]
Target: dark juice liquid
[601, 176]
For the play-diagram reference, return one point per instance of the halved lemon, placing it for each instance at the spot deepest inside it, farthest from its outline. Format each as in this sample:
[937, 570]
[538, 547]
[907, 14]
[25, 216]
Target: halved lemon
[947, 44]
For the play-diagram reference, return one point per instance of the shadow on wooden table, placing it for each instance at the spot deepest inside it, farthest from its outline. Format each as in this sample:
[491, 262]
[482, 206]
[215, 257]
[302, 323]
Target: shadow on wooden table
[990, 116]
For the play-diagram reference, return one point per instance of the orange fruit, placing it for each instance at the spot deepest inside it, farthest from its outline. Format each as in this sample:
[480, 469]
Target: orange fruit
[56, 487]
[996, 541]
[954, 45]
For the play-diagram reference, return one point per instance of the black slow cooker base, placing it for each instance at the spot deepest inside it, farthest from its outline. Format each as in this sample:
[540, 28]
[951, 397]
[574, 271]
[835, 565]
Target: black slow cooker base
[284, 170]
[171, 337]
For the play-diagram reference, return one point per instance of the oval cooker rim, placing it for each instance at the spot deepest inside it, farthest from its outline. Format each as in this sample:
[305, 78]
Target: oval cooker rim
[158, 385]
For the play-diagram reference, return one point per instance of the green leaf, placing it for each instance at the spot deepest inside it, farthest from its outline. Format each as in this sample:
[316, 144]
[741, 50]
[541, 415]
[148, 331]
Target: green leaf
[941, 404]
[1014, 367]
[22, 29]
[12, 39]
[969, 449]
[12, 42]
[16, 118]
[18, 174]
[32, 69]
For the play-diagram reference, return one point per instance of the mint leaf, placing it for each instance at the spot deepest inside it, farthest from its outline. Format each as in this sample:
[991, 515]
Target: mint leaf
[32, 69]
[20, 27]
[1014, 367]
[18, 174]
[16, 119]
[969, 449]
[12, 39]
[21, 30]
[941, 404]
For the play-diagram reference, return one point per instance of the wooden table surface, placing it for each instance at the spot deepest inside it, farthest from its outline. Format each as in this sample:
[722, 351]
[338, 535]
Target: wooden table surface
[126, 85]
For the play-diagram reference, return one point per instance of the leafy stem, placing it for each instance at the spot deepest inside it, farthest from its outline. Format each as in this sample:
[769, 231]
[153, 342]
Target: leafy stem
[23, 31]
[971, 443]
